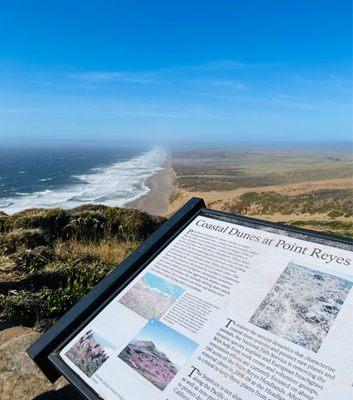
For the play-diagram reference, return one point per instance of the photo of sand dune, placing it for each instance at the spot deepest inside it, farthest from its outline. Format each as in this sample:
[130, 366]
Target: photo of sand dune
[302, 305]
[151, 296]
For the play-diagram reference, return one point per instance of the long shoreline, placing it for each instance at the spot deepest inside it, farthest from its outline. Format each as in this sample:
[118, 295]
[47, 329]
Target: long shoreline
[156, 201]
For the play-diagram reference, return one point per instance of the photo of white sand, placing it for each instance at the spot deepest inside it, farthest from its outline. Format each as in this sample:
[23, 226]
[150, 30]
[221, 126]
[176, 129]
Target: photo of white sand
[302, 305]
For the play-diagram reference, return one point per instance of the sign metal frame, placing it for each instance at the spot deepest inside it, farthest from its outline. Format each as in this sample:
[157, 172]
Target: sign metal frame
[45, 351]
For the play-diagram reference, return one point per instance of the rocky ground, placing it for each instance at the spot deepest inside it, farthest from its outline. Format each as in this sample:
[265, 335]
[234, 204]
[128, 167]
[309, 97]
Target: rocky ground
[19, 377]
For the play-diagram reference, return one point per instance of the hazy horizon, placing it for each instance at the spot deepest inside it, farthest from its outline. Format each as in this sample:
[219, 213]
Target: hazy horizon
[303, 145]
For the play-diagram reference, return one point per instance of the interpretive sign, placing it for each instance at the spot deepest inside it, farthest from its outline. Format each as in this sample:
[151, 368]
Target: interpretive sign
[228, 308]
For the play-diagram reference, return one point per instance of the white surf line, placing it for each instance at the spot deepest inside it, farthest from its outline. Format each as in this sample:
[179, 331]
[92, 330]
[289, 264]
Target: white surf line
[113, 185]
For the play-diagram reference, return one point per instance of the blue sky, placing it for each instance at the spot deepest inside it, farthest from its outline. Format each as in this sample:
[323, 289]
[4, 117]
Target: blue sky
[108, 346]
[177, 72]
[156, 282]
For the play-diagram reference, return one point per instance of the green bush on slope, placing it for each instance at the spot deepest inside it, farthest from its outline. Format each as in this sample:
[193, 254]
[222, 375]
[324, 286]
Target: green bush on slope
[52, 258]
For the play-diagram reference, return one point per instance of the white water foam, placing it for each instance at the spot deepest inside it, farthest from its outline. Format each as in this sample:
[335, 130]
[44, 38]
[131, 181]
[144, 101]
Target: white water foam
[114, 185]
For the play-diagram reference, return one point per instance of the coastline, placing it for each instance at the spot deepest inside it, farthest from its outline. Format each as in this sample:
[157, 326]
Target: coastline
[106, 184]
[156, 201]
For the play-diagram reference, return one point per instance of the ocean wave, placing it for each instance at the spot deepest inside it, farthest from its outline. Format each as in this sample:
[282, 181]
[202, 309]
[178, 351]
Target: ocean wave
[113, 185]
[45, 180]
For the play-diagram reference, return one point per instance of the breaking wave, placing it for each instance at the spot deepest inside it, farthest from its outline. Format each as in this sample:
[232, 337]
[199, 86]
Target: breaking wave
[113, 185]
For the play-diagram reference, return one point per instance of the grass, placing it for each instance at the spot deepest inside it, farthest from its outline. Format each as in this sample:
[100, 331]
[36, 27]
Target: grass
[339, 228]
[110, 252]
[331, 204]
[334, 203]
[50, 259]
[174, 196]
[214, 169]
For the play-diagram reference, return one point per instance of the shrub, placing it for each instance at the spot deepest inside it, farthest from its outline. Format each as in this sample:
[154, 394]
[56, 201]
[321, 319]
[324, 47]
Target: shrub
[27, 238]
[48, 303]
[57, 256]
[51, 221]
[335, 214]
[4, 226]
[29, 260]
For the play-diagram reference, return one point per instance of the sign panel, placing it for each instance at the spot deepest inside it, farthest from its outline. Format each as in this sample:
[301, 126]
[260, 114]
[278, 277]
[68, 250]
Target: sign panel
[226, 311]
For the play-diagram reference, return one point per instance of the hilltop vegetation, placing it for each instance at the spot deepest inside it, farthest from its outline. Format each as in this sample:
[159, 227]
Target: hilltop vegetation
[336, 203]
[217, 169]
[49, 259]
[310, 189]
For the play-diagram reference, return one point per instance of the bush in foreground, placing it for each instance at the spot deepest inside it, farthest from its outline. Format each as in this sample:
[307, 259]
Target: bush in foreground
[49, 259]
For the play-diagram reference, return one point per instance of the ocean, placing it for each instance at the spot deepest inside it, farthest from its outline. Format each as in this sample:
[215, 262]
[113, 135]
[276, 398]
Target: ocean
[66, 178]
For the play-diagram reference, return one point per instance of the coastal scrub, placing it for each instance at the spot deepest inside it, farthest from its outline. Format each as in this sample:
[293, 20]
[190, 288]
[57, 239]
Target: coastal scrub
[49, 259]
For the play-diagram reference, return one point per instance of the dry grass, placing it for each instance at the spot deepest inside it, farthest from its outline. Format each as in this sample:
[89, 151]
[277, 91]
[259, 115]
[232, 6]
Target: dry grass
[50, 259]
[109, 251]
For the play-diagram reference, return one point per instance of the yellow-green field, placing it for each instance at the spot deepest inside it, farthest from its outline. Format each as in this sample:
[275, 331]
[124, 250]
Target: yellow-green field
[303, 188]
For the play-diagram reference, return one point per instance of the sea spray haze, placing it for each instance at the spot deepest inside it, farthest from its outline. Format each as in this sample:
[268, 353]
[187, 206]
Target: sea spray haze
[69, 178]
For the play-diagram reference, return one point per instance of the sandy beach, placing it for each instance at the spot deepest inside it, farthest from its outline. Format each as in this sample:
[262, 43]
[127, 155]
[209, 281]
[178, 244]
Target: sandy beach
[161, 185]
